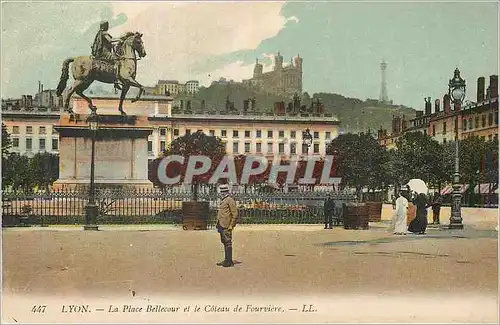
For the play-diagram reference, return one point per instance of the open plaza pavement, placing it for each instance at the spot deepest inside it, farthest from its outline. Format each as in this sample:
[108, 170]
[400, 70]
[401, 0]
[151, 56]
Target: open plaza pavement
[444, 276]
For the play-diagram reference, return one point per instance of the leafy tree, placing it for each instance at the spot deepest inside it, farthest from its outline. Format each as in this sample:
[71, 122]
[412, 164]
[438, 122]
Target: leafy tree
[6, 141]
[359, 160]
[478, 161]
[45, 169]
[417, 156]
[17, 172]
[6, 144]
[195, 144]
[490, 162]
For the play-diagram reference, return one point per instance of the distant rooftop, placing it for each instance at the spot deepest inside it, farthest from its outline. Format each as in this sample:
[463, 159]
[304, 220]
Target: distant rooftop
[168, 81]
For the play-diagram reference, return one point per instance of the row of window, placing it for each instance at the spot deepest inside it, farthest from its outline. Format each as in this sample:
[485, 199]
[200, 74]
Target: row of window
[258, 147]
[30, 129]
[41, 144]
[248, 134]
[468, 124]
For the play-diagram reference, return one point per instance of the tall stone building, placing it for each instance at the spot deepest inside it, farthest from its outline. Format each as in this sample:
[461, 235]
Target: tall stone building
[282, 80]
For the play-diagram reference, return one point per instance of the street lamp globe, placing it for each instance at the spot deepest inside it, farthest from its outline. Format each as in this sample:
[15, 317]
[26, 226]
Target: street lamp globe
[457, 94]
[456, 87]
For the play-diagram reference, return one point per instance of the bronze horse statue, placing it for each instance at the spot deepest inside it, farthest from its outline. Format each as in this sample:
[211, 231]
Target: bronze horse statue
[87, 69]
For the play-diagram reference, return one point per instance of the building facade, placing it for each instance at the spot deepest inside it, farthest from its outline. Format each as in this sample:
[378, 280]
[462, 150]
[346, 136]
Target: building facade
[282, 80]
[32, 132]
[270, 135]
[174, 87]
[478, 118]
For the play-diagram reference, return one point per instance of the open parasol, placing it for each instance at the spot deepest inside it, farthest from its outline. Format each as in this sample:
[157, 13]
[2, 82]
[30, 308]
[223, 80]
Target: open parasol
[418, 185]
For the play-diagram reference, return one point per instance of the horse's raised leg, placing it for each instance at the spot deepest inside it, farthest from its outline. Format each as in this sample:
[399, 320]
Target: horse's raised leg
[70, 92]
[80, 89]
[141, 91]
[123, 94]
[132, 82]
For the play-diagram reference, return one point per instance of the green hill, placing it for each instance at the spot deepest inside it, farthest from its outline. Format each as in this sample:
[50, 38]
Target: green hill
[355, 114]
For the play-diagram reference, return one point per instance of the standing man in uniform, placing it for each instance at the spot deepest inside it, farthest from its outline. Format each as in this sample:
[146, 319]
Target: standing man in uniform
[226, 220]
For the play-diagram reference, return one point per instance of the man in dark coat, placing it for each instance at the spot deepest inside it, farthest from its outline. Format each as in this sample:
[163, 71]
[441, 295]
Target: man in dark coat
[329, 210]
[436, 208]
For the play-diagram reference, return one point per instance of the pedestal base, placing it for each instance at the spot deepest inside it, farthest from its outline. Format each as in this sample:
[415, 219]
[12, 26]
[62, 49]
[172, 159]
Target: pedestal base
[121, 152]
[83, 185]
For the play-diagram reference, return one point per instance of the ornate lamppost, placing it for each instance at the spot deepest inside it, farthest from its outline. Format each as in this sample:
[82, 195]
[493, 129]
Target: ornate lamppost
[307, 138]
[91, 209]
[456, 91]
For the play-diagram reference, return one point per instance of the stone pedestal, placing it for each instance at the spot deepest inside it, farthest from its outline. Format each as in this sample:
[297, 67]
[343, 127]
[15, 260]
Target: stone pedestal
[121, 152]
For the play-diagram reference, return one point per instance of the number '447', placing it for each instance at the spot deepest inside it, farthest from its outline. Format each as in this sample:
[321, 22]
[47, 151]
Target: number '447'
[38, 309]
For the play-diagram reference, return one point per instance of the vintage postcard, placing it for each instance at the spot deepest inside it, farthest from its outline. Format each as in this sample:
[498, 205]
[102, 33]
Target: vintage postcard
[249, 161]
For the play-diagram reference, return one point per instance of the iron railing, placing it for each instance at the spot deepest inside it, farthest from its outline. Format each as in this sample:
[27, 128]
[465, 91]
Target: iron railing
[155, 206]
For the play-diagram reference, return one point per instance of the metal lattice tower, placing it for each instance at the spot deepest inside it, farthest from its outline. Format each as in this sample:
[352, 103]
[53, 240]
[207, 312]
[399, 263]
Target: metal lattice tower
[384, 98]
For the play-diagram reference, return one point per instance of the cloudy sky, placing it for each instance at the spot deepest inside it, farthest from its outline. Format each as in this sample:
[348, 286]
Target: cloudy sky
[342, 43]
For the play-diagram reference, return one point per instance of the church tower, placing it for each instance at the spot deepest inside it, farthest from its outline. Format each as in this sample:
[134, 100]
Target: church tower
[257, 70]
[278, 62]
[298, 62]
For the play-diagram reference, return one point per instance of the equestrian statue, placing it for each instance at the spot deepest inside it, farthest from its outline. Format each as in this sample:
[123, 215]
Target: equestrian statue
[109, 63]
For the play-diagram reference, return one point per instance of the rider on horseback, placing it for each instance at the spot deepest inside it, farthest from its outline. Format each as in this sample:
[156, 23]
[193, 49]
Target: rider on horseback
[102, 49]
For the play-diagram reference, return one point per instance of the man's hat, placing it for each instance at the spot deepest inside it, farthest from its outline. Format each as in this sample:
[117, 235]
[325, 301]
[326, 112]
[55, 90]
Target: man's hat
[224, 188]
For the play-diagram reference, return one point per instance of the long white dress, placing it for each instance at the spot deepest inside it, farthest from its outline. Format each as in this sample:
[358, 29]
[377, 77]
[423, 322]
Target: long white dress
[399, 219]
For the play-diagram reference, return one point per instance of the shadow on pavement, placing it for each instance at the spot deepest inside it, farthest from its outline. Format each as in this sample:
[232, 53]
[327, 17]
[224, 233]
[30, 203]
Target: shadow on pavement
[467, 233]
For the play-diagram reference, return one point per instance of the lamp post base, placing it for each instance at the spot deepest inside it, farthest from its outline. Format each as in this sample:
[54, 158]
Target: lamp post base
[91, 212]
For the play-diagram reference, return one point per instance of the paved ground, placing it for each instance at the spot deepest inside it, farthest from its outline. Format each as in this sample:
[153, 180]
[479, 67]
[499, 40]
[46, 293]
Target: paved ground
[272, 260]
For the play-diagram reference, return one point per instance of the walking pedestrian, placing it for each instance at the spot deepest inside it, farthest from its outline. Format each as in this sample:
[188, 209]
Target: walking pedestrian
[399, 219]
[226, 220]
[419, 224]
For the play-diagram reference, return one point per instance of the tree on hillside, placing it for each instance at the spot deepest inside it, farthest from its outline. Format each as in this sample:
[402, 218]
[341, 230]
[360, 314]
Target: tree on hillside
[359, 160]
[197, 144]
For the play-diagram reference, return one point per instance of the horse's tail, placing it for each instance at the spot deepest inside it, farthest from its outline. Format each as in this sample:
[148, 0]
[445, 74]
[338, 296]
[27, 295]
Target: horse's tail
[64, 76]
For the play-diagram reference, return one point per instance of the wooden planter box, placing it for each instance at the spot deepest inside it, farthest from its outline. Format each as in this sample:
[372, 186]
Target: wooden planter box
[374, 211]
[195, 215]
[355, 215]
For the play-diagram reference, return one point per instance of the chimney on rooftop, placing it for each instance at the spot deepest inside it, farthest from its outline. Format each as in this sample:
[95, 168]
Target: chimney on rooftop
[428, 106]
[493, 86]
[480, 89]
[436, 105]
[446, 104]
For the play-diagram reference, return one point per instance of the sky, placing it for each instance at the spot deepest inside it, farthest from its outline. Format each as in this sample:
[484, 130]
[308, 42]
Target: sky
[342, 43]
